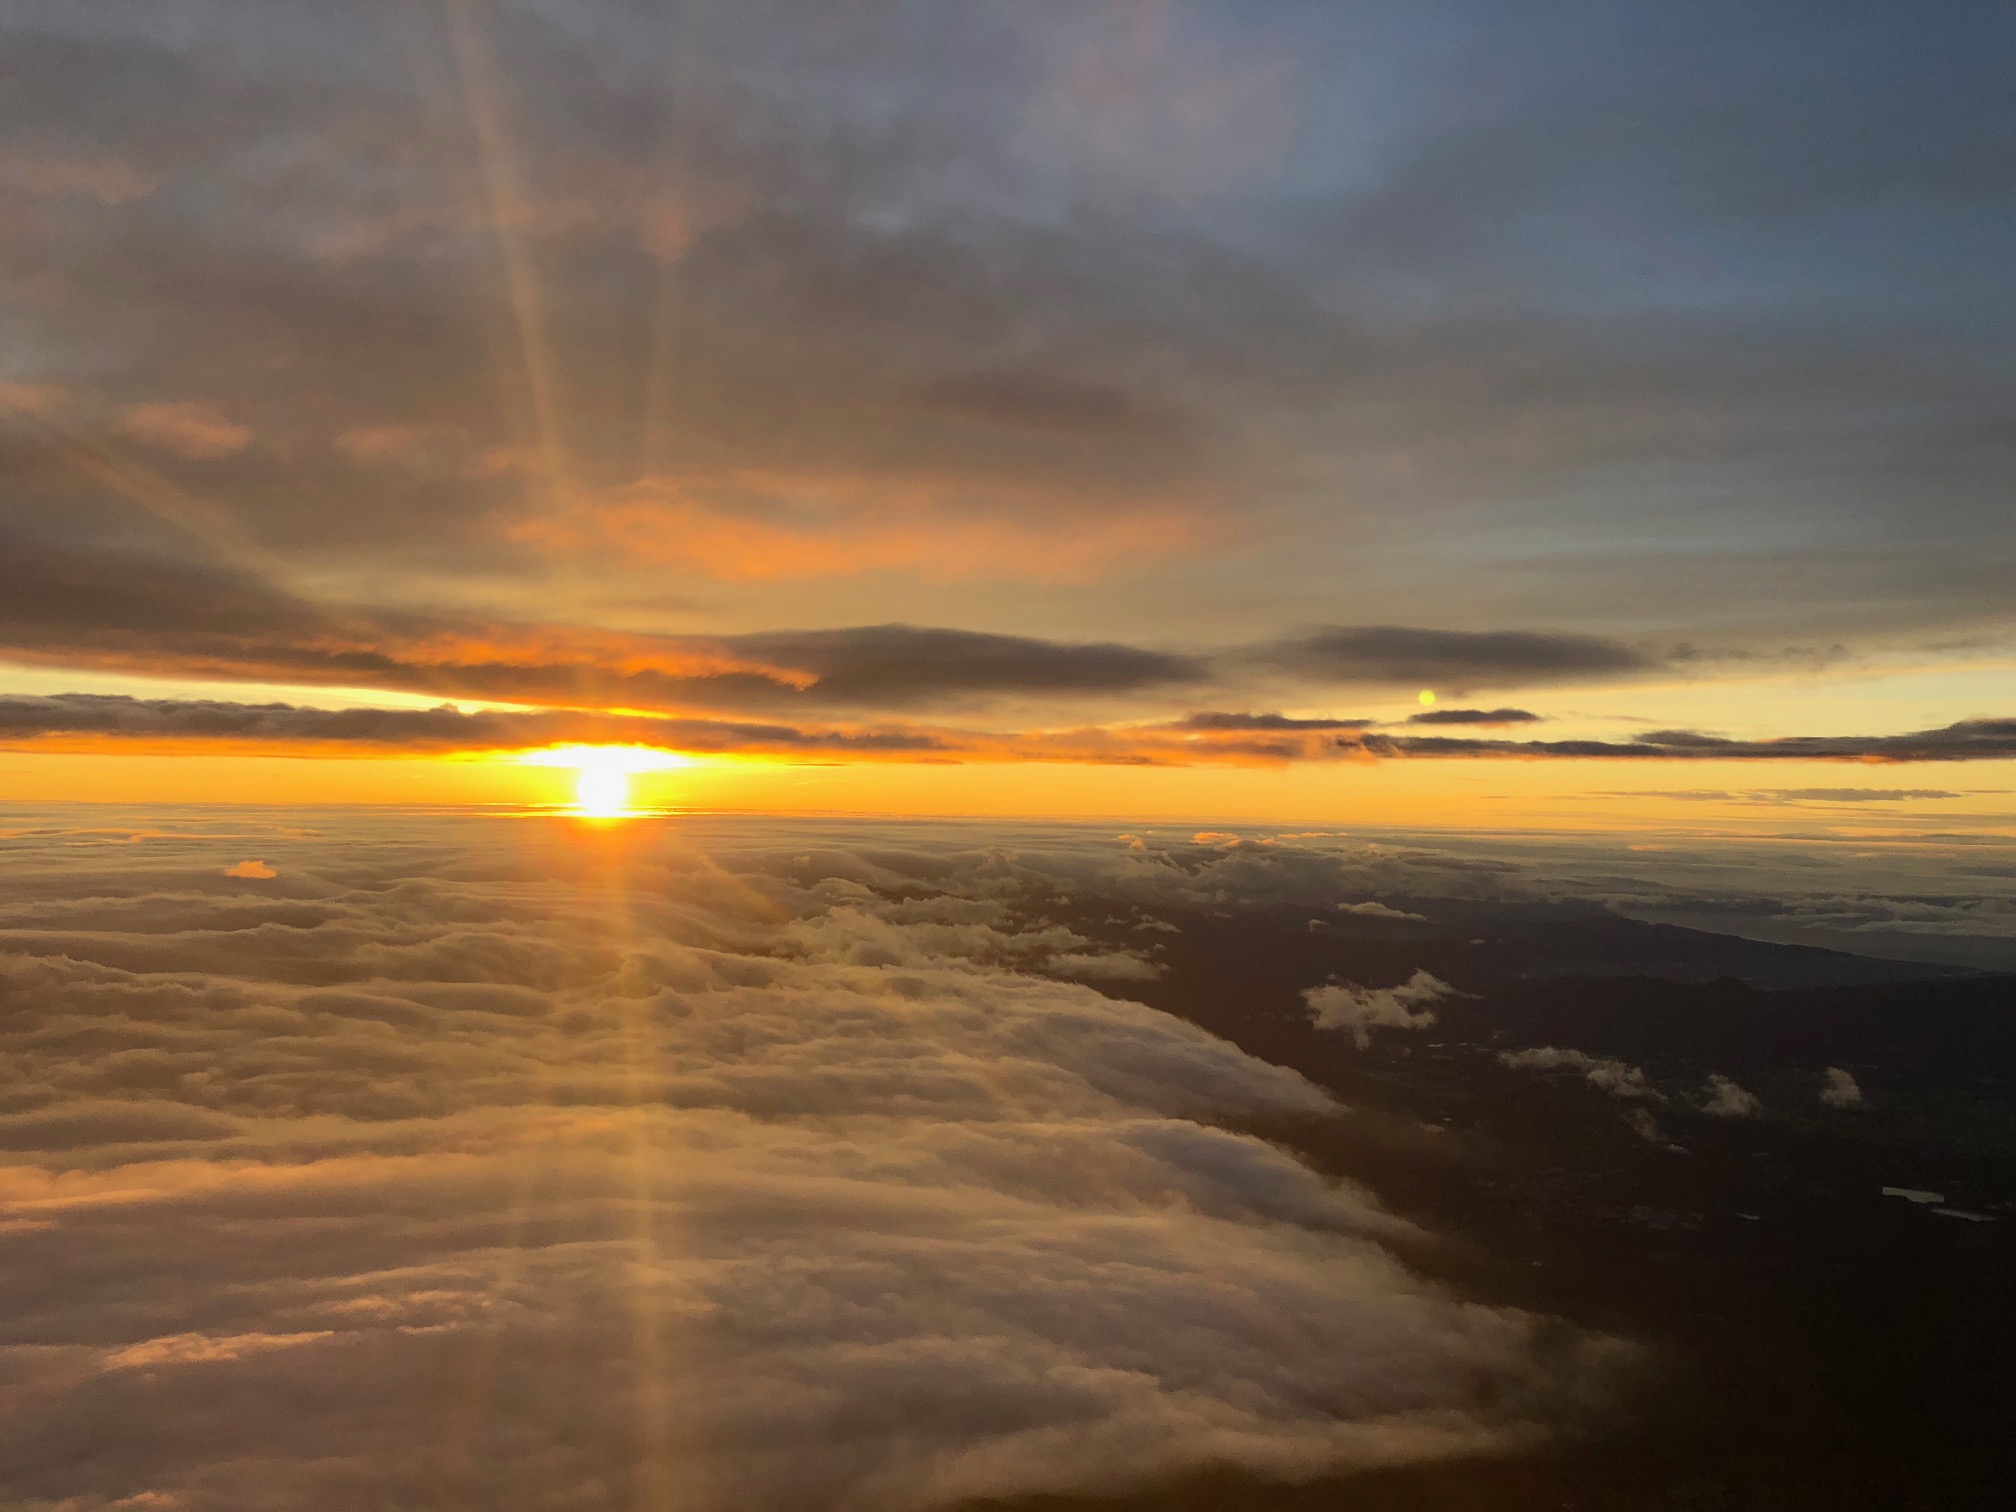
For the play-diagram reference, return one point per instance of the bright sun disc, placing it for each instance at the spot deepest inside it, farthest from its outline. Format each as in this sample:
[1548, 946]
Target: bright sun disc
[602, 792]
[602, 788]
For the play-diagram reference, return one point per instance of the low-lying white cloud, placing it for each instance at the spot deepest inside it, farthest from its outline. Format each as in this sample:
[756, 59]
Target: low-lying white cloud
[1377, 910]
[1616, 1077]
[1839, 1089]
[521, 1166]
[1360, 1010]
[1723, 1098]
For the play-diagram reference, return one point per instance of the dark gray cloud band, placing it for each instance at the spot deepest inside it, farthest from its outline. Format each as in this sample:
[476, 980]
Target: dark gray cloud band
[1396, 655]
[444, 729]
[28, 721]
[1221, 721]
[117, 606]
[1473, 717]
[138, 611]
[1966, 740]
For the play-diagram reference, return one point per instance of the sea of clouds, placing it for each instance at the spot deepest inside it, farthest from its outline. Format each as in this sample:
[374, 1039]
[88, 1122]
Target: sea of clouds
[397, 1160]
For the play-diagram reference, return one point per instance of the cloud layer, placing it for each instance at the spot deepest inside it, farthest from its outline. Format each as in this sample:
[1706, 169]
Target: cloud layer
[557, 1167]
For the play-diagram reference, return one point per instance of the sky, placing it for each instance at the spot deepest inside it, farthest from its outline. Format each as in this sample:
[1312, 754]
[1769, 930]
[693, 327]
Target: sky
[1562, 415]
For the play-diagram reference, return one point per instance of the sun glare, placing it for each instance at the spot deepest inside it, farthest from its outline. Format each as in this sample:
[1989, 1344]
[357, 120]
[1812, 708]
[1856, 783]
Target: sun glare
[602, 783]
[602, 792]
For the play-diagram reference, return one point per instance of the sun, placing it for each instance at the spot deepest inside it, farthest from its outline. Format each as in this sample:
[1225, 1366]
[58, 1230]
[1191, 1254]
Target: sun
[602, 783]
[602, 792]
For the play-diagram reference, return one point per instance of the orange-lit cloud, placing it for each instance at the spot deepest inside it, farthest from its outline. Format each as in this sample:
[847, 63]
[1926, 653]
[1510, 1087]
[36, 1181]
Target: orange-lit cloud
[195, 431]
[32, 398]
[56, 175]
[395, 442]
[765, 527]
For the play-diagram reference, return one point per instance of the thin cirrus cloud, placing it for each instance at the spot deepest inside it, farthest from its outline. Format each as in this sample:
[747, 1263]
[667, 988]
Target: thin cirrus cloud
[1793, 797]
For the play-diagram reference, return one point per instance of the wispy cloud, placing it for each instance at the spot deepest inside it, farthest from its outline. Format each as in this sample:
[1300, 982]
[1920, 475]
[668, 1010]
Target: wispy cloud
[194, 431]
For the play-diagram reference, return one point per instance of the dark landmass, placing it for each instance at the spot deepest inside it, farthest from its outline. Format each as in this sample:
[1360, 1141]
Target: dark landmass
[1813, 1342]
[1982, 952]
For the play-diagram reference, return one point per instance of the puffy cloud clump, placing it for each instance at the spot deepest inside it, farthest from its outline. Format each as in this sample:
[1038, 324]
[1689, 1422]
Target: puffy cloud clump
[503, 1163]
[1360, 1010]
[1723, 1098]
[1377, 910]
[1839, 1089]
[1616, 1077]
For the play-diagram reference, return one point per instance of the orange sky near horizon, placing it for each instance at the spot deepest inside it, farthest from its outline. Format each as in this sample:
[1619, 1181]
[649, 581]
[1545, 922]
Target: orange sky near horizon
[1652, 797]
